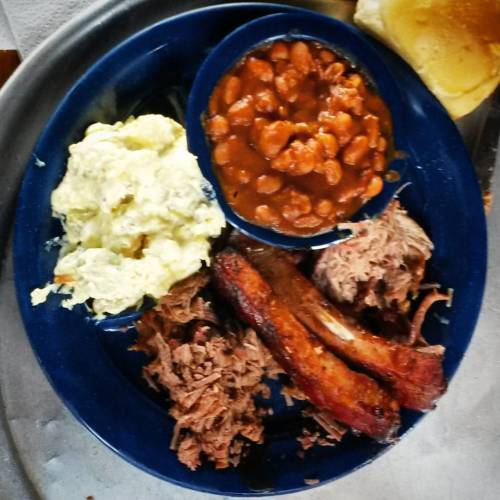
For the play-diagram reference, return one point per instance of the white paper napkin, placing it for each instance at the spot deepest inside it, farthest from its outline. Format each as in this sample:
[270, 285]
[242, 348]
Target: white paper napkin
[6, 37]
[32, 21]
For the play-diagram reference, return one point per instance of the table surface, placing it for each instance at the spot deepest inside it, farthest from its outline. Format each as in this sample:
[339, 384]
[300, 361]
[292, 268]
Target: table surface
[453, 453]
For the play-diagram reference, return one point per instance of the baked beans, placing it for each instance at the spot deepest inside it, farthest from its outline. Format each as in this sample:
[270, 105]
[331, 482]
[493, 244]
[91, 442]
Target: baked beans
[299, 138]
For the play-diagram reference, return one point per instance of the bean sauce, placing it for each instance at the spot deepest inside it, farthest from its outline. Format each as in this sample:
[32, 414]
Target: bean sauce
[299, 138]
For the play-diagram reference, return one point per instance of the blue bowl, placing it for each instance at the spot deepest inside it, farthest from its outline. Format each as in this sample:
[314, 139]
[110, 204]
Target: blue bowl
[342, 38]
[92, 370]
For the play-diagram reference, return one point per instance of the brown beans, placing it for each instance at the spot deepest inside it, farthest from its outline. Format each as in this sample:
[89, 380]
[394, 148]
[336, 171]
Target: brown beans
[287, 83]
[378, 162]
[232, 90]
[243, 176]
[327, 56]
[355, 151]
[305, 128]
[323, 208]
[382, 144]
[299, 204]
[355, 80]
[299, 139]
[301, 58]
[213, 104]
[298, 159]
[290, 212]
[329, 144]
[268, 184]
[374, 186]
[258, 124]
[222, 154]
[341, 124]
[332, 171]
[346, 99]
[284, 161]
[261, 69]
[372, 127]
[279, 51]
[241, 112]
[266, 215]
[266, 101]
[218, 126]
[274, 137]
[350, 193]
[308, 221]
[283, 112]
[334, 71]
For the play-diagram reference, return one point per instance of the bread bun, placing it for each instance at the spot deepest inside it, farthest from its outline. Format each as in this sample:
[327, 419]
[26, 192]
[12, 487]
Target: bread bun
[453, 45]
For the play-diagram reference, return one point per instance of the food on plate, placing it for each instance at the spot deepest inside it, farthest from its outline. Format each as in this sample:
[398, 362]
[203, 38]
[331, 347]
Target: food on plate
[232, 313]
[380, 266]
[414, 375]
[211, 373]
[300, 139]
[348, 396]
[454, 46]
[135, 216]
[308, 438]
[261, 312]
[213, 369]
[434, 296]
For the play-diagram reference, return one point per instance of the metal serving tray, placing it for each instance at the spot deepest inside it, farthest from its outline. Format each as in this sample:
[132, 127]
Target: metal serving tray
[45, 453]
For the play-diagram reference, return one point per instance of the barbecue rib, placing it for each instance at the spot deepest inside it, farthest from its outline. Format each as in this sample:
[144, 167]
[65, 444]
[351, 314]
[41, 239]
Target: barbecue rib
[415, 377]
[350, 397]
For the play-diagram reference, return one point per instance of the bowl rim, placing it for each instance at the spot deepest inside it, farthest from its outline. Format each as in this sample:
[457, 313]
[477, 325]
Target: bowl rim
[344, 39]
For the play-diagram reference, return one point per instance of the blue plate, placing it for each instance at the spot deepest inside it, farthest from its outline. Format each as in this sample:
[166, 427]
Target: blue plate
[92, 371]
[341, 37]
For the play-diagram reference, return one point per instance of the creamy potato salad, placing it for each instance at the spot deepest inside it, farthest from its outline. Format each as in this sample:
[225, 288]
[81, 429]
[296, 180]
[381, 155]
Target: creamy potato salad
[135, 216]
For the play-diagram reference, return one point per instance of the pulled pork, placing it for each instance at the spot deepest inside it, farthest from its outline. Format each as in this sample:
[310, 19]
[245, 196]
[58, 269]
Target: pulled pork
[380, 265]
[329, 432]
[211, 377]
[415, 337]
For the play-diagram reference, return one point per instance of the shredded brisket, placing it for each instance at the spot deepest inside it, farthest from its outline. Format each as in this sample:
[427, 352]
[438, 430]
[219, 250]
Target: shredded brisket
[211, 376]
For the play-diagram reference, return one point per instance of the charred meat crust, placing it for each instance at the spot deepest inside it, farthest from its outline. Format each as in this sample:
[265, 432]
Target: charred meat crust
[415, 378]
[350, 397]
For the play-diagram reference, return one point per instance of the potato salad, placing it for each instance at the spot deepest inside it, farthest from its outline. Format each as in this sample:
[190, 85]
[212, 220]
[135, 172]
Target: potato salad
[135, 214]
